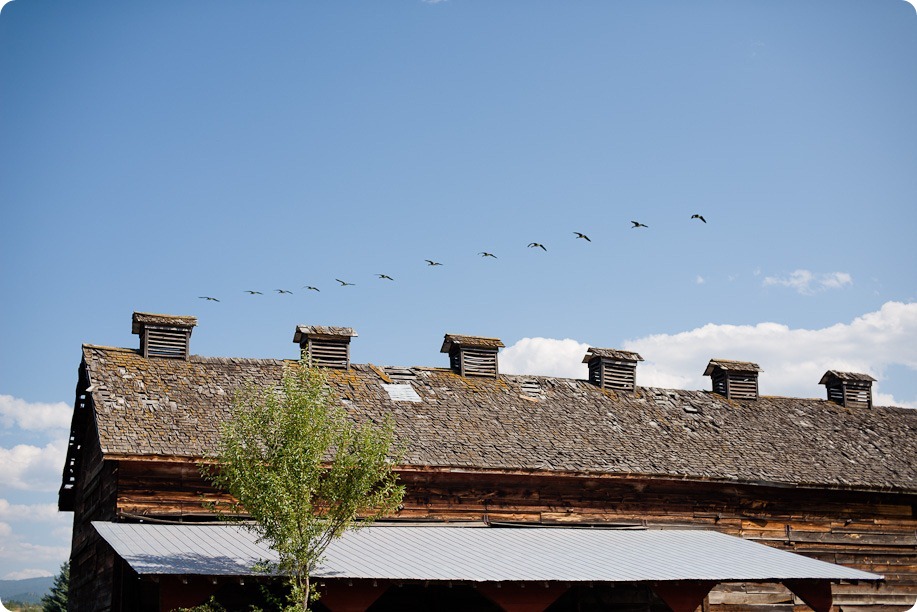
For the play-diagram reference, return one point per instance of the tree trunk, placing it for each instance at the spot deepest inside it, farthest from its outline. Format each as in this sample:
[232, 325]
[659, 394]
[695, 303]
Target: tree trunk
[305, 601]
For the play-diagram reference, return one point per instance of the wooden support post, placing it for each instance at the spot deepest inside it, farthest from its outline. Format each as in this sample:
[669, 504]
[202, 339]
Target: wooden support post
[350, 596]
[816, 593]
[683, 595]
[522, 597]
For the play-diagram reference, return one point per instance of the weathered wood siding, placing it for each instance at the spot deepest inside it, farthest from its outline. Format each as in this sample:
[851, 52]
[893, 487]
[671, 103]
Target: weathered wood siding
[92, 561]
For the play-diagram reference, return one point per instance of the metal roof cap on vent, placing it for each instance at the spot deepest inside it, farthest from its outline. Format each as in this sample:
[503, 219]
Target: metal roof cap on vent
[325, 346]
[734, 379]
[612, 368]
[472, 355]
[849, 389]
[163, 335]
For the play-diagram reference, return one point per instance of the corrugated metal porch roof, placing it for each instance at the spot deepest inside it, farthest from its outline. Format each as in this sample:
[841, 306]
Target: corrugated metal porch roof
[477, 554]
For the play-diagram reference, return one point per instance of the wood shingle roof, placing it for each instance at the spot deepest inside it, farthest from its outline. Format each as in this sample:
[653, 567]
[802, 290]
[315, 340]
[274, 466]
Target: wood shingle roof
[173, 408]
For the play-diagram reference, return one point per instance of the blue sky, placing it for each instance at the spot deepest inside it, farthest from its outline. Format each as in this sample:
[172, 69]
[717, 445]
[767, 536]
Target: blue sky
[155, 152]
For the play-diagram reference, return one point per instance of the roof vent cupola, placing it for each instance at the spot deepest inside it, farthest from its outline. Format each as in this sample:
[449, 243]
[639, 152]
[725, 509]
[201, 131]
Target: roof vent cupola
[325, 346]
[734, 379]
[849, 389]
[612, 369]
[163, 335]
[472, 355]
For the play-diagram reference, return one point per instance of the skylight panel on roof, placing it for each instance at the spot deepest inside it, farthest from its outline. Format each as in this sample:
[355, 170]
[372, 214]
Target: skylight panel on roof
[402, 392]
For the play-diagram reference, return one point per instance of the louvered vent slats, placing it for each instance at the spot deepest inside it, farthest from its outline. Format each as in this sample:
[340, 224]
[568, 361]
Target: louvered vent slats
[620, 375]
[734, 379]
[719, 384]
[472, 355]
[169, 342]
[742, 387]
[848, 389]
[329, 354]
[325, 346]
[163, 335]
[478, 362]
[595, 372]
[858, 398]
[612, 368]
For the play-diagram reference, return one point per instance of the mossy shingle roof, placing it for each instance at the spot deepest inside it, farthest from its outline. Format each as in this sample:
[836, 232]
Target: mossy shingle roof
[173, 408]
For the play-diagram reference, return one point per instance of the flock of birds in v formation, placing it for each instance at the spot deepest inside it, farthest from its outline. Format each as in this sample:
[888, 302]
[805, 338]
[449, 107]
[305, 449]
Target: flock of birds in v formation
[430, 262]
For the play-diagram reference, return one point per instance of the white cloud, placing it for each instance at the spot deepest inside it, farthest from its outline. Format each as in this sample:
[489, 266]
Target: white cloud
[15, 549]
[36, 533]
[700, 280]
[545, 357]
[806, 282]
[27, 573]
[33, 468]
[793, 360]
[30, 512]
[836, 280]
[33, 416]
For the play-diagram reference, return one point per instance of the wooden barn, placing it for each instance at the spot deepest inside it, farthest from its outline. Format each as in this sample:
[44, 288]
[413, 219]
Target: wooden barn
[523, 492]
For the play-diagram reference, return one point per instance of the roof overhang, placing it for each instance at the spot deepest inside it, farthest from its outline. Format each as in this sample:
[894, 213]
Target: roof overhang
[478, 554]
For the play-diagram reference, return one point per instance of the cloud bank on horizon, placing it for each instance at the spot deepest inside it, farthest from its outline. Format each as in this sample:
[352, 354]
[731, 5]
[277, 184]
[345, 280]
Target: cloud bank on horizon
[793, 360]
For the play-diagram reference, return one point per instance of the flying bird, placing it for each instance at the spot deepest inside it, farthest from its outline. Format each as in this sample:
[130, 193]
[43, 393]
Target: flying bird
[638, 224]
[311, 288]
[583, 236]
[208, 298]
[430, 262]
[385, 277]
[486, 254]
[250, 292]
[537, 245]
[701, 217]
[345, 283]
[281, 291]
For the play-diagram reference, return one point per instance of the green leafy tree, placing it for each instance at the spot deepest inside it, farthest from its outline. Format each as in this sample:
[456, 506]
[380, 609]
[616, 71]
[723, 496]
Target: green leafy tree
[304, 470]
[56, 599]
